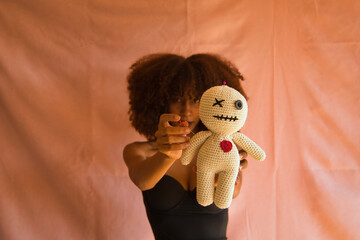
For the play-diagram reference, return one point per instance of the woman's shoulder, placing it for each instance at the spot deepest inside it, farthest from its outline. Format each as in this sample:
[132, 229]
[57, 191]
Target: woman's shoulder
[142, 149]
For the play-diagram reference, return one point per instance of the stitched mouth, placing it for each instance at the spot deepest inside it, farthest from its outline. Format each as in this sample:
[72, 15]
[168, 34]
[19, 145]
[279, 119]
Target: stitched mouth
[227, 118]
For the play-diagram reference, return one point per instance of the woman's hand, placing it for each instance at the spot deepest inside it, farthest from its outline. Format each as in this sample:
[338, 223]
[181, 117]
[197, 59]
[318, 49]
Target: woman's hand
[243, 165]
[243, 161]
[171, 140]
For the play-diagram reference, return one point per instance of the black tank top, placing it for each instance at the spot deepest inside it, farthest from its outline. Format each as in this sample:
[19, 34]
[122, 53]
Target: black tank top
[174, 214]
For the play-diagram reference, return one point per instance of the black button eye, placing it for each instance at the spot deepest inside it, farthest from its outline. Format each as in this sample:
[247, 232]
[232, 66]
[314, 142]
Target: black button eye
[238, 104]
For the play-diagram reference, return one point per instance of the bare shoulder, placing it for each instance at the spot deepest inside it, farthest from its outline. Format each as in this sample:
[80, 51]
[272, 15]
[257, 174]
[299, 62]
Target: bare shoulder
[138, 151]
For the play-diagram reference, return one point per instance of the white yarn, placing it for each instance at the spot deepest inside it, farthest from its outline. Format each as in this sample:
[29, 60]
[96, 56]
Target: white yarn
[220, 115]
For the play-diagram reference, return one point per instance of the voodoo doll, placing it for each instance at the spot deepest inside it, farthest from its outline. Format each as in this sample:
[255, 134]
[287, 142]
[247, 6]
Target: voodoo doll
[223, 111]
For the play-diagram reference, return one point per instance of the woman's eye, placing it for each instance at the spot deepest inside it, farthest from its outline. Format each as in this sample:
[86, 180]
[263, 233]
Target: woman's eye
[178, 100]
[196, 100]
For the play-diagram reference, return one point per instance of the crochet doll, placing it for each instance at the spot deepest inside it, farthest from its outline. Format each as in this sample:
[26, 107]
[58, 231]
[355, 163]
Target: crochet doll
[223, 111]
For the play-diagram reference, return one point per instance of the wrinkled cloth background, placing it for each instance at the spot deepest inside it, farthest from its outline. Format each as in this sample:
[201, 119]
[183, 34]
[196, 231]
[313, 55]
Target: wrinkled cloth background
[64, 122]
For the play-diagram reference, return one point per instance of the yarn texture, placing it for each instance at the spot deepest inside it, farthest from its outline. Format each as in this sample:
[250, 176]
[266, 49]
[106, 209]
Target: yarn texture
[223, 110]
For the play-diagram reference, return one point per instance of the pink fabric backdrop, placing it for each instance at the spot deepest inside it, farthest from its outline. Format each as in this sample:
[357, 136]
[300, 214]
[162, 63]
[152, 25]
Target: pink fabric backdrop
[64, 123]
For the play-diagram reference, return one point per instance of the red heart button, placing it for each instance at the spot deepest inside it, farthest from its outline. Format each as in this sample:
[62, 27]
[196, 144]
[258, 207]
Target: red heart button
[226, 146]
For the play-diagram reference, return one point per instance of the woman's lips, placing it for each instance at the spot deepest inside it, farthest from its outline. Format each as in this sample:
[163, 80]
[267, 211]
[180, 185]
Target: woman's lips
[187, 122]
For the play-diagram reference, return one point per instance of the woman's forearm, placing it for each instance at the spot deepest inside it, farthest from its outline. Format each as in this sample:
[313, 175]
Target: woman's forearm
[147, 173]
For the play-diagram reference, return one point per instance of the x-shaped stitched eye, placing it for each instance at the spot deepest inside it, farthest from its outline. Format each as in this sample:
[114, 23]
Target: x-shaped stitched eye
[218, 102]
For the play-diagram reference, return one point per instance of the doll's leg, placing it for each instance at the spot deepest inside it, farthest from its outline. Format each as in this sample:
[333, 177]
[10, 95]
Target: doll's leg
[225, 189]
[205, 188]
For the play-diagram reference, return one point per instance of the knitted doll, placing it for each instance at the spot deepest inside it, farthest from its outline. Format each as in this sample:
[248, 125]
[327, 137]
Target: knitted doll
[223, 111]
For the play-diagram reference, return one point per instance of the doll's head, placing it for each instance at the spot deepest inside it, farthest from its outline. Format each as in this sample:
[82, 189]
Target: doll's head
[223, 110]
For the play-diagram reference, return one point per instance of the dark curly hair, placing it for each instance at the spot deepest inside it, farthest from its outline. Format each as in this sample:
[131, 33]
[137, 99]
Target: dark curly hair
[155, 80]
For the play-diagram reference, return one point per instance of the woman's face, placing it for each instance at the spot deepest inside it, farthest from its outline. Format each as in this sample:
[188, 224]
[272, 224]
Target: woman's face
[188, 109]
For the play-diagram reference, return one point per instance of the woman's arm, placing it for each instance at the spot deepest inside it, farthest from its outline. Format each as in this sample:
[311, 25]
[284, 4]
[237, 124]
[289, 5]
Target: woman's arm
[238, 182]
[145, 171]
[148, 162]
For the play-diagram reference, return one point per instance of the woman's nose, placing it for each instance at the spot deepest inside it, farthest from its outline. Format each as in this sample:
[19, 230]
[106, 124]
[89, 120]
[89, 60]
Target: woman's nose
[186, 107]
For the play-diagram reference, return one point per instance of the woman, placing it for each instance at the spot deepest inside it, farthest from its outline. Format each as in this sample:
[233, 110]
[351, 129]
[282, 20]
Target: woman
[164, 106]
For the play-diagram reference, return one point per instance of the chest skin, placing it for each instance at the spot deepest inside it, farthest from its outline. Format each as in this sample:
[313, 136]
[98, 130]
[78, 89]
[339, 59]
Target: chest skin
[185, 175]
[212, 157]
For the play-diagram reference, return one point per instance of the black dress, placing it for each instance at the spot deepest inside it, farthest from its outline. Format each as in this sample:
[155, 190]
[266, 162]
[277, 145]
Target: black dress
[174, 214]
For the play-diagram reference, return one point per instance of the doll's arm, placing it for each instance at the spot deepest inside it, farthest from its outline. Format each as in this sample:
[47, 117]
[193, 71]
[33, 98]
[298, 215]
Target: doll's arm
[195, 142]
[249, 146]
